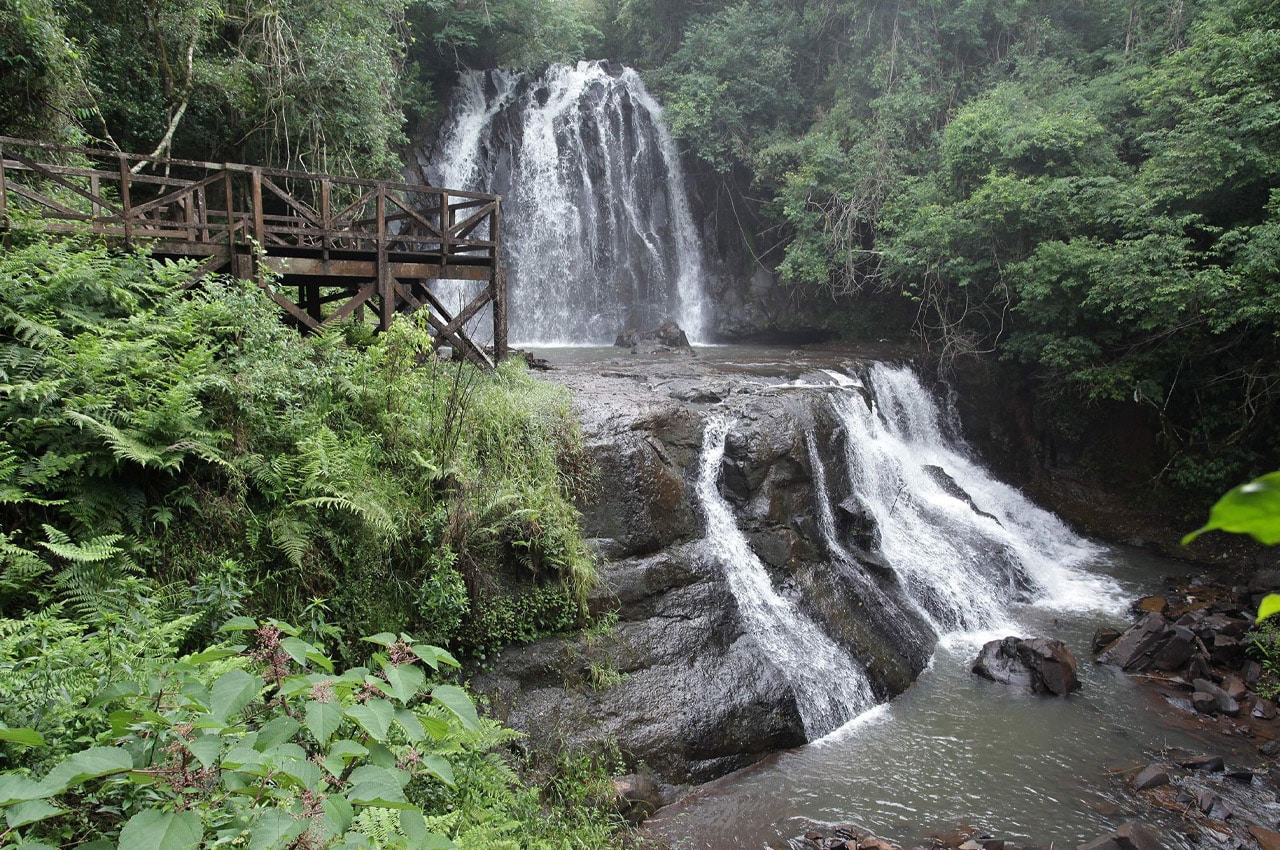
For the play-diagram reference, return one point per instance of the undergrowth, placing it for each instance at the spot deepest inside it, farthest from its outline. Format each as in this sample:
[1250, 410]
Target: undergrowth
[175, 461]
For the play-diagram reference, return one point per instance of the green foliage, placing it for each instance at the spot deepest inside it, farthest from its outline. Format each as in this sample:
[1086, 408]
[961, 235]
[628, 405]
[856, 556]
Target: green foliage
[269, 743]
[1252, 508]
[191, 438]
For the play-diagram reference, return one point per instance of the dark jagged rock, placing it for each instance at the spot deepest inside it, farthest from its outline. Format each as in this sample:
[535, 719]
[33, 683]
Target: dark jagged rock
[944, 480]
[1128, 836]
[1152, 776]
[1222, 703]
[1135, 648]
[1040, 665]
[666, 337]
[1206, 764]
[1103, 638]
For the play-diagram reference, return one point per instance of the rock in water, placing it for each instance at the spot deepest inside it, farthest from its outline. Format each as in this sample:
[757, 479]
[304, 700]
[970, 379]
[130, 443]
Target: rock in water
[1040, 665]
[666, 337]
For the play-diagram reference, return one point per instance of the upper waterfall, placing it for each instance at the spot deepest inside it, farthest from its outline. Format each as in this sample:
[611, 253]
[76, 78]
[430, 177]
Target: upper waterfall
[596, 220]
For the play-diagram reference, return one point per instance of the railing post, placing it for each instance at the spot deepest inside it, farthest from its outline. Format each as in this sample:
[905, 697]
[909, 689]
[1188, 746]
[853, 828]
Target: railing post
[259, 228]
[446, 228]
[499, 287]
[325, 223]
[4, 194]
[124, 202]
[386, 290]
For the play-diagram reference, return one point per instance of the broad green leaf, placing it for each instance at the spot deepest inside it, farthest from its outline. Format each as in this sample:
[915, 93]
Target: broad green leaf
[456, 700]
[405, 680]
[1252, 508]
[440, 768]
[23, 737]
[215, 654]
[304, 771]
[1269, 606]
[87, 764]
[152, 829]
[115, 690]
[436, 727]
[19, 789]
[322, 719]
[382, 639]
[240, 756]
[434, 656]
[239, 624]
[276, 732]
[434, 841]
[374, 717]
[232, 692]
[378, 786]
[275, 830]
[206, 749]
[338, 813]
[31, 811]
[297, 648]
[411, 725]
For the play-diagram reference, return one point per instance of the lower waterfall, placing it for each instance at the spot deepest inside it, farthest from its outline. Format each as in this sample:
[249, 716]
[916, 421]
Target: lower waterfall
[830, 687]
[964, 545]
[962, 548]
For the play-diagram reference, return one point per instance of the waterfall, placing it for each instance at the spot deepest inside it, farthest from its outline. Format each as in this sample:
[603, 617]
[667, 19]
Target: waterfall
[830, 687]
[596, 221]
[964, 546]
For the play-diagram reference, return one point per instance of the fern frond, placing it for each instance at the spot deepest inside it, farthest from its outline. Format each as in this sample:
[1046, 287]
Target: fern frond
[96, 550]
[125, 446]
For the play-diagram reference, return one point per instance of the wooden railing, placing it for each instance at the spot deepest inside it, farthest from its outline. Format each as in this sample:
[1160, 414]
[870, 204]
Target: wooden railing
[343, 244]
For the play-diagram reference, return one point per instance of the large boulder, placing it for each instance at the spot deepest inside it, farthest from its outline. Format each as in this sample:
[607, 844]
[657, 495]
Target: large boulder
[1040, 665]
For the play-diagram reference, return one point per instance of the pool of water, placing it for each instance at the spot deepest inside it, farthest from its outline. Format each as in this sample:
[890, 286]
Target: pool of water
[959, 753]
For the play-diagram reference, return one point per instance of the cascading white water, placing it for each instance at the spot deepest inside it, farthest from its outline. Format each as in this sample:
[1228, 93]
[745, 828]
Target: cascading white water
[597, 227]
[965, 546]
[830, 686]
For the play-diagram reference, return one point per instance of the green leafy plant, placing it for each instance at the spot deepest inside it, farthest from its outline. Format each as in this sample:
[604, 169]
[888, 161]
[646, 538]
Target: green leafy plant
[266, 742]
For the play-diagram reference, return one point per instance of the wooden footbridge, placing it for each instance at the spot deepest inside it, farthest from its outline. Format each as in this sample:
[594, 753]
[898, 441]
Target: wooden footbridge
[325, 249]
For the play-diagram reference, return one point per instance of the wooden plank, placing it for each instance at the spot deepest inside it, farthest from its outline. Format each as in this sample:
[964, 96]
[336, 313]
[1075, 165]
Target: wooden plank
[124, 202]
[291, 308]
[385, 287]
[357, 302]
[368, 268]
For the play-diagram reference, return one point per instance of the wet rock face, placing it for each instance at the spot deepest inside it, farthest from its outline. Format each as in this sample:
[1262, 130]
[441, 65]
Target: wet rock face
[678, 682]
[1039, 665]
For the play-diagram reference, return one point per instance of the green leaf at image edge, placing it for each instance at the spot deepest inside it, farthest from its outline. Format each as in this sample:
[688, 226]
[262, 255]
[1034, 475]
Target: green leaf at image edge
[1269, 606]
[1252, 508]
[152, 829]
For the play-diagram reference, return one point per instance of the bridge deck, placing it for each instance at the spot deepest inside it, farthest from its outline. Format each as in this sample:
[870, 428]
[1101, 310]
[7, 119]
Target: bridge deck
[324, 248]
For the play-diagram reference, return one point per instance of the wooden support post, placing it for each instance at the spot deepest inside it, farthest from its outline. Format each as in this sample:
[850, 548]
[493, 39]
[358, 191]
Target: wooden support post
[326, 218]
[124, 202]
[259, 229]
[231, 211]
[499, 314]
[386, 287]
[446, 225]
[4, 194]
[498, 287]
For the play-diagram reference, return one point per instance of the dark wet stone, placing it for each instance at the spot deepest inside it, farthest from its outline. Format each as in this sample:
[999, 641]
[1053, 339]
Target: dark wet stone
[1206, 764]
[1179, 643]
[1151, 776]
[1250, 672]
[1104, 637]
[1040, 665]
[1135, 647]
[1135, 836]
[1223, 701]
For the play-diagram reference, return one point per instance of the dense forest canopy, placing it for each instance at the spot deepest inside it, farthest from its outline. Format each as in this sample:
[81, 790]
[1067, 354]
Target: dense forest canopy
[1084, 188]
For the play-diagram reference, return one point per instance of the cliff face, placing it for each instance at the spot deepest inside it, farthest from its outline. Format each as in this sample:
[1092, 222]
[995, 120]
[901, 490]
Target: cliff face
[679, 681]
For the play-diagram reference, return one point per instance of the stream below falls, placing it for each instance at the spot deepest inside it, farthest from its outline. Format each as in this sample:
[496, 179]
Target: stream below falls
[959, 753]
